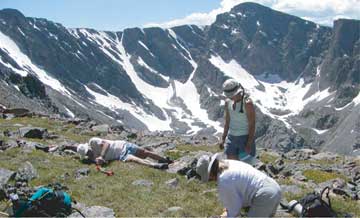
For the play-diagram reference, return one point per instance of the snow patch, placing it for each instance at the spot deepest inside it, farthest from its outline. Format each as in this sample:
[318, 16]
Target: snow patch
[25, 63]
[234, 32]
[143, 45]
[319, 132]
[22, 33]
[53, 36]
[69, 112]
[142, 63]
[356, 100]
[112, 102]
[17, 87]
[224, 26]
[280, 94]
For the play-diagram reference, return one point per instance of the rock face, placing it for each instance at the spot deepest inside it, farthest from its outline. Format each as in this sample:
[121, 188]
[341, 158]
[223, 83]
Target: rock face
[170, 79]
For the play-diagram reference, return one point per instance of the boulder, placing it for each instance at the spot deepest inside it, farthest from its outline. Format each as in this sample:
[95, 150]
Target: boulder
[185, 161]
[5, 176]
[26, 172]
[33, 132]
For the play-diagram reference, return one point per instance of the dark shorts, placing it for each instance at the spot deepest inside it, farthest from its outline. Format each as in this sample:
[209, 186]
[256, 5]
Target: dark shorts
[129, 149]
[234, 145]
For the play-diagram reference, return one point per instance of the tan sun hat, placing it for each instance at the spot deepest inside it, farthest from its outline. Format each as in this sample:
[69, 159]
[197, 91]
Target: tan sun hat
[204, 164]
[82, 150]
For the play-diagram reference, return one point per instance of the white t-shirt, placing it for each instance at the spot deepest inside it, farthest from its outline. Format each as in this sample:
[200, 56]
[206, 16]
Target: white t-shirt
[237, 186]
[112, 153]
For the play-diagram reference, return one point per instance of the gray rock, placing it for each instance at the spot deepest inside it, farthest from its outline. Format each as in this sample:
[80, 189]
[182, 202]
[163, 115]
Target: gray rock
[339, 183]
[324, 156]
[172, 183]
[214, 190]
[104, 128]
[26, 145]
[26, 172]
[33, 132]
[5, 176]
[142, 182]
[95, 211]
[174, 209]
[81, 173]
[299, 176]
[185, 161]
[293, 189]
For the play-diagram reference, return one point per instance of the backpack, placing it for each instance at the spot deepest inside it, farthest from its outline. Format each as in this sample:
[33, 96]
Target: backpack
[45, 202]
[314, 206]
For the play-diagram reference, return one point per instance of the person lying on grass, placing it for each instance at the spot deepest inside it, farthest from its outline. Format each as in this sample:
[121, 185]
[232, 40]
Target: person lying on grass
[101, 151]
[240, 185]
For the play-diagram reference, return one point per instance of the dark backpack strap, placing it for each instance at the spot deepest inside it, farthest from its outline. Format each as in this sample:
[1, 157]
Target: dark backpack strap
[77, 210]
[327, 195]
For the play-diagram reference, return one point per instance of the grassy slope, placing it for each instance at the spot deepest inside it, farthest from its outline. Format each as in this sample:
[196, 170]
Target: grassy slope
[117, 192]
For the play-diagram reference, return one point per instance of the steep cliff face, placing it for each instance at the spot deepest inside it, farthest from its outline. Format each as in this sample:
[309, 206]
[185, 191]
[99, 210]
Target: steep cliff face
[302, 77]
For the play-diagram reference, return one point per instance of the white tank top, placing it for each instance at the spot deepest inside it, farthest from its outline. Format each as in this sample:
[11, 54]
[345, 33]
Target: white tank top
[113, 152]
[238, 125]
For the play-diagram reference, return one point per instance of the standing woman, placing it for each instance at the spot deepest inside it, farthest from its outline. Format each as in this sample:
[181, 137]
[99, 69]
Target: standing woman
[239, 129]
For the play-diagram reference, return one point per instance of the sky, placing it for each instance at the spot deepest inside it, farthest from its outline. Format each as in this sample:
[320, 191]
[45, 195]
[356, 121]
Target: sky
[116, 15]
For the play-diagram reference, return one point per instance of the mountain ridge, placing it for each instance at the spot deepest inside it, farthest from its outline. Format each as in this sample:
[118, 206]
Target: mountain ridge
[170, 79]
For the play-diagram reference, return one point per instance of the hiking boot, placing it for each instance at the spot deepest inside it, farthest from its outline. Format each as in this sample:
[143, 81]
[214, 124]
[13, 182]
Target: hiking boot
[167, 160]
[161, 166]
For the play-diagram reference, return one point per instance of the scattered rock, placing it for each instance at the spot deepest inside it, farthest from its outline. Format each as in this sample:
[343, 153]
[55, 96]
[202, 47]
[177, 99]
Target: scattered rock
[17, 112]
[293, 189]
[81, 173]
[174, 209]
[5, 176]
[184, 162]
[26, 172]
[299, 176]
[339, 183]
[142, 182]
[214, 190]
[33, 132]
[95, 211]
[101, 128]
[172, 183]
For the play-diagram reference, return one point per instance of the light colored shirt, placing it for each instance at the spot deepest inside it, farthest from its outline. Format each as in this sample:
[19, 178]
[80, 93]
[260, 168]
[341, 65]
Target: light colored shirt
[238, 125]
[237, 186]
[113, 152]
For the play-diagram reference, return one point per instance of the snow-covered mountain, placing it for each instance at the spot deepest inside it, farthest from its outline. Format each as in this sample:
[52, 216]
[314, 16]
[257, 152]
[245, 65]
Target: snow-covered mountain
[303, 78]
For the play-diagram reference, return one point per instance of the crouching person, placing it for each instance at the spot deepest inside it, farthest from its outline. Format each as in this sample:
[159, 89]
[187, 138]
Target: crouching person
[101, 150]
[240, 185]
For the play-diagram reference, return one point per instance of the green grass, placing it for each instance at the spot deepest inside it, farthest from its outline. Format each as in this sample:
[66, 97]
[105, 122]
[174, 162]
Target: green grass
[319, 176]
[343, 206]
[184, 149]
[117, 192]
[268, 158]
